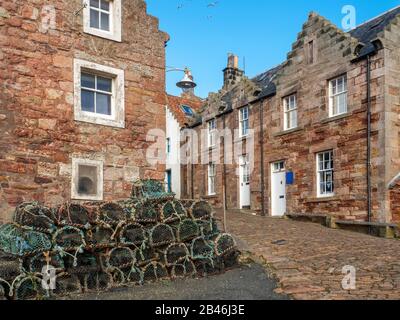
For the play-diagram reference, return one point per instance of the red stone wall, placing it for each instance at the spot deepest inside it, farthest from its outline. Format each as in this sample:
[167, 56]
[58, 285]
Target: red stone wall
[38, 134]
[395, 203]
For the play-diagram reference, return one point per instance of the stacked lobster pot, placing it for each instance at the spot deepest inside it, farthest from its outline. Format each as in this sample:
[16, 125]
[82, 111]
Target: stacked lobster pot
[95, 246]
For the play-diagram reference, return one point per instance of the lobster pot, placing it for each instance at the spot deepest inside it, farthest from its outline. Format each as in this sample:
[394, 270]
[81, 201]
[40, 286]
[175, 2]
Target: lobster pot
[36, 263]
[69, 239]
[133, 235]
[4, 289]
[76, 215]
[129, 207]
[187, 204]
[98, 281]
[206, 267]
[35, 216]
[161, 235]
[208, 228]
[82, 263]
[67, 284]
[16, 241]
[147, 213]
[201, 249]
[143, 256]
[188, 230]
[172, 211]
[10, 266]
[184, 269]
[230, 259]
[29, 288]
[201, 210]
[121, 258]
[151, 189]
[100, 237]
[224, 244]
[154, 271]
[175, 254]
[112, 214]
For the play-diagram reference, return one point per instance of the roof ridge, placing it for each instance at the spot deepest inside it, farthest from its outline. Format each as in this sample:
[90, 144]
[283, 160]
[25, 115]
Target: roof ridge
[377, 17]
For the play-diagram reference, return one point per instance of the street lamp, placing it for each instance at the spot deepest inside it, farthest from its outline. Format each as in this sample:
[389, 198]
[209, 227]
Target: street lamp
[186, 84]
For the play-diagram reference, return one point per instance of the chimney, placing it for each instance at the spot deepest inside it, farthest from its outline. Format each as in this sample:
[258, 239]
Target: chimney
[232, 73]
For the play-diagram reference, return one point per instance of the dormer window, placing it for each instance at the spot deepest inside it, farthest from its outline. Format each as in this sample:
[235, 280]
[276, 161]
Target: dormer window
[102, 18]
[187, 110]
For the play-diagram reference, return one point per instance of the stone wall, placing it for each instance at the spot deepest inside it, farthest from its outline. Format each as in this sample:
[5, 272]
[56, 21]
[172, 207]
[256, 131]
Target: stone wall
[38, 134]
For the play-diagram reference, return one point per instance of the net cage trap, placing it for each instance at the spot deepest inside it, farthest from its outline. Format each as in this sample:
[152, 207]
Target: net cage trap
[95, 246]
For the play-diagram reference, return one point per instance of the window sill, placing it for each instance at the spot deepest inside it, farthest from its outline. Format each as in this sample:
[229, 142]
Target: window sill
[103, 34]
[212, 196]
[290, 131]
[335, 118]
[323, 199]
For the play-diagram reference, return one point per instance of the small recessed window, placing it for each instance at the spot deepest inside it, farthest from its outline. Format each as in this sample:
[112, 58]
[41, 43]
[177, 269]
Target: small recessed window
[311, 52]
[290, 112]
[325, 172]
[244, 122]
[102, 18]
[87, 179]
[96, 93]
[188, 111]
[338, 96]
[212, 130]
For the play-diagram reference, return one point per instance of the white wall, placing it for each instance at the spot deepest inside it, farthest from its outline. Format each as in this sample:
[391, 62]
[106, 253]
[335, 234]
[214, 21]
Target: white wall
[173, 159]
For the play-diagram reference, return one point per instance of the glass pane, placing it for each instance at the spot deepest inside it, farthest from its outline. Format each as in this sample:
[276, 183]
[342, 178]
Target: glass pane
[104, 84]
[105, 21]
[103, 104]
[87, 184]
[94, 19]
[88, 81]
[105, 5]
[293, 119]
[94, 3]
[87, 101]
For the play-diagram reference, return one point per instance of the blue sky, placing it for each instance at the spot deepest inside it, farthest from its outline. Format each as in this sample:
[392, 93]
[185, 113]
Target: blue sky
[262, 31]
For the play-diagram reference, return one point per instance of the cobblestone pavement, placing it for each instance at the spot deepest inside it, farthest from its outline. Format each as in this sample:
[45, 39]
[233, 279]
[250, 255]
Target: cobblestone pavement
[308, 259]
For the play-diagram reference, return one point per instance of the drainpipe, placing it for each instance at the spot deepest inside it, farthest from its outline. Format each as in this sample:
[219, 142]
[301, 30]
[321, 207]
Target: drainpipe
[263, 212]
[224, 166]
[369, 138]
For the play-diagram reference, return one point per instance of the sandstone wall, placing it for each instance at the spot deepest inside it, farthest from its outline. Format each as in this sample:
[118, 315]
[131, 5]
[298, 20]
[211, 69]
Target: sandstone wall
[38, 134]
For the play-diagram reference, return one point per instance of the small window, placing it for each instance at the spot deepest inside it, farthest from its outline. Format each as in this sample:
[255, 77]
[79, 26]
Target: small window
[310, 49]
[168, 146]
[99, 94]
[212, 129]
[290, 112]
[87, 180]
[211, 179]
[279, 166]
[325, 172]
[102, 18]
[338, 96]
[244, 124]
[188, 111]
[96, 94]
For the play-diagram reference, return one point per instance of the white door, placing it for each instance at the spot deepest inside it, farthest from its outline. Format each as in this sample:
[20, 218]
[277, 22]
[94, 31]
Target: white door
[278, 189]
[244, 182]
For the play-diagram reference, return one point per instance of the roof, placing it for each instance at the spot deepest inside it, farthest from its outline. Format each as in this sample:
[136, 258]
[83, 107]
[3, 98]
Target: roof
[265, 82]
[175, 106]
[369, 30]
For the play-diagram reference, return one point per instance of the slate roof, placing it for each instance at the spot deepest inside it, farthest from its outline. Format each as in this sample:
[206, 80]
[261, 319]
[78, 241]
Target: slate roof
[265, 82]
[369, 30]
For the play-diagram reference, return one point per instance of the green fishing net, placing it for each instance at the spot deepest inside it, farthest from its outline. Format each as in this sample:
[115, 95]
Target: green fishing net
[161, 235]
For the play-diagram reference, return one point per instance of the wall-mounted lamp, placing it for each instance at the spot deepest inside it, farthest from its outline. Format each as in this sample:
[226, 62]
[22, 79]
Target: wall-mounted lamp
[186, 84]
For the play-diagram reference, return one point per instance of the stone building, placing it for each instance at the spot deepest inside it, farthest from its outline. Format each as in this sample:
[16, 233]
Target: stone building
[82, 82]
[326, 128]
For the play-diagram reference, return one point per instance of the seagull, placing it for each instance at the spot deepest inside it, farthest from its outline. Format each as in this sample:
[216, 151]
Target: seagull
[212, 4]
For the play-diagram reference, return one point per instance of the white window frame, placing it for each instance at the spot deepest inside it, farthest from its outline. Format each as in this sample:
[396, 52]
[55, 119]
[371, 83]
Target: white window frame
[117, 117]
[76, 162]
[290, 107]
[212, 175]
[324, 171]
[335, 94]
[115, 21]
[244, 122]
[212, 130]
